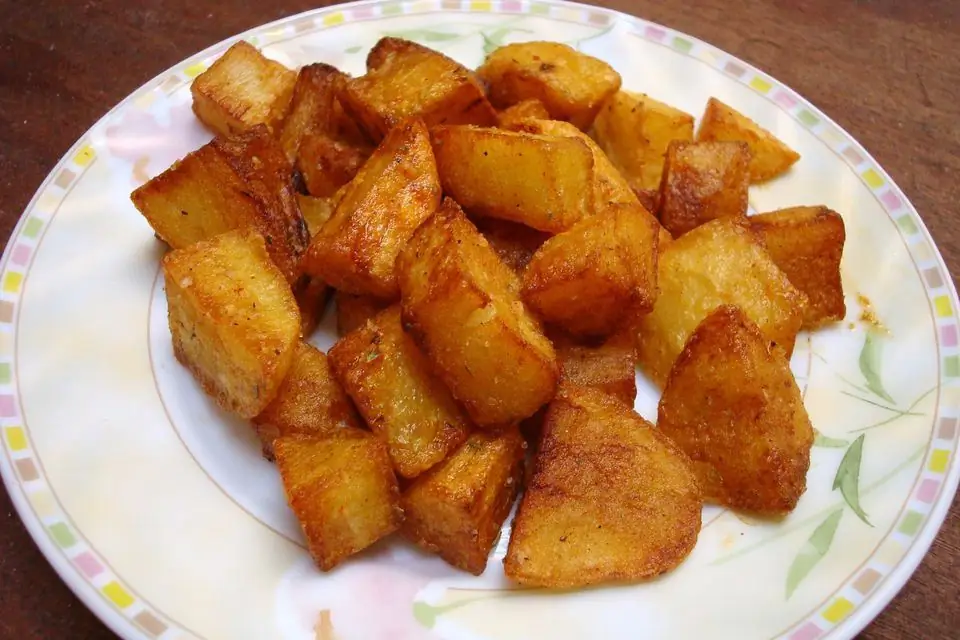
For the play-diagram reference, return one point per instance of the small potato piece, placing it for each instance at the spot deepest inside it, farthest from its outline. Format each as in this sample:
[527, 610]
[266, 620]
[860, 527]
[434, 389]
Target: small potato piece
[243, 182]
[703, 181]
[634, 130]
[771, 157]
[398, 395]
[327, 164]
[311, 107]
[525, 110]
[718, 263]
[731, 404]
[242, 89]
[406, 80]
[457, 508]
[570, 84]
[544, 182]
[610, 366]
[342, 490]
[585, 279]
[233, 318]
[316, 211]
[379, 210]
[310, 402]
[807, 244]
[611, 498]
[514, 243]
[312, 295]
[462, 306]
[354, 311]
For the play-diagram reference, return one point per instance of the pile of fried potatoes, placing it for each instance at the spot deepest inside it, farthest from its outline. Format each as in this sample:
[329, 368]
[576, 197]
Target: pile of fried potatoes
[505, 246]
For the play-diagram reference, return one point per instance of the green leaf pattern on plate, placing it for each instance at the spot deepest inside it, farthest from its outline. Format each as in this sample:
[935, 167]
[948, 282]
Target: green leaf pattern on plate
[848, 478]
[820, 440]
[812, 551]
[870, 364]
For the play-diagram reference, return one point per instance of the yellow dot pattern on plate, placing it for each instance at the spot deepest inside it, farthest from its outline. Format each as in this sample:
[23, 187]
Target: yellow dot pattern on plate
[938, 461]
[942, 305]
[43, 503]
[760, 84]
[16, 439]
[333, 18]
[12, 282]
[872, 178]
[481, 5]
[839, 610]
[195, 69]
[84, 156]
[117, 594]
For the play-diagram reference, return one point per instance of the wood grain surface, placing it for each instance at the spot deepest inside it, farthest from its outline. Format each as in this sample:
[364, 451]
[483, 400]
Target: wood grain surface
[888, 71]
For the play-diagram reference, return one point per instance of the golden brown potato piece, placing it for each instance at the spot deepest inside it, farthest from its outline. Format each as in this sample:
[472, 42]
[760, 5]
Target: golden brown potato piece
[342, 490]
[310, 402]
[316, 211]
[513, 243]
[718, 263]
[327, 164]
[807, 244]
[634, 130]
[354, 311]
[397, 393]
[610, 366]
[393, 193]
[771, 157]
[233, 318]
[406, 80]
[242, 89]
[456, 509]
[544, 182]
[311, 107]
[243, 182]
[731, 404]
[584, 280]
[462, 306]
[611, 498]
[703, 181]
[526, 110]
[570, 84]
[312, 295]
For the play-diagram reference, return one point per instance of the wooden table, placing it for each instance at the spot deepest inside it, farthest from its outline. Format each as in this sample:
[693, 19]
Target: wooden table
[887, 71]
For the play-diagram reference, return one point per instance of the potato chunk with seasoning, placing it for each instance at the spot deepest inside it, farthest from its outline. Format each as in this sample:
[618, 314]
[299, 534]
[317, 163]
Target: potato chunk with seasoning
[610, 366]
[513, 243]
[526, 110]
[354, 311]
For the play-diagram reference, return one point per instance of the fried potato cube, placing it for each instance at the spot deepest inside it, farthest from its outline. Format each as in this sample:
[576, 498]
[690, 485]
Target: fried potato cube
[233, 318]
[316, 211]
[717, 263]
[354, 311]
[312, 295]
[570, 84]
[610, 366]
[310, 402]
[807, 244]
[525, 110]
[513, 243]
[231, 183]
[311, 106]
[611, 498]
[634, 130]
[397, 393]
[405, 80]
[462, 305]
[242, 89]
[732, 405]
[584, 280]
[342, 490]
[544, 182]
[771, 157]
[703, 181]
[327, 164]
[379, 210]
[457, 508]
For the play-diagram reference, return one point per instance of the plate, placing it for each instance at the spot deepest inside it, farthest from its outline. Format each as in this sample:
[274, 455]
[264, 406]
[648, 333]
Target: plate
[159, 512]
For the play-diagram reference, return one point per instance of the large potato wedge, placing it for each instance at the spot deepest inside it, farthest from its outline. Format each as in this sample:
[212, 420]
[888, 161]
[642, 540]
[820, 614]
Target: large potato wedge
[462, 305]
[456, 509]
[342, 490]
[717, 263]
[771, 157]
[311, 106]
[807, 244]
[354, 311]
[611, 498]
[514, 243]
[732, 405]
[393, 193]
[233, 318]
[570, 84]
[398, 394]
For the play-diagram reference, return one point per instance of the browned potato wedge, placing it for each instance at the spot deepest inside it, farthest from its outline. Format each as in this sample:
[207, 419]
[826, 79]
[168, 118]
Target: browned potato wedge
[310, 402]
[354, 311]
[242, 89]
[611, 498]
[327, 164]
[462, 306]
[231, 183]
[610, 366]
[718, 263]
[404, 80]
[398, 395]
[312, 295]
[311, 107]
[548, 185]
[316, 211]
[771, 157]
[703, 181]
[634, 130]
[514, 243]
[233, 319]
[807, 244]
[586, 279]
[456, 509]
[342, 490]
[393, 193]
[570, 84]
[732, 405]
[526, 110]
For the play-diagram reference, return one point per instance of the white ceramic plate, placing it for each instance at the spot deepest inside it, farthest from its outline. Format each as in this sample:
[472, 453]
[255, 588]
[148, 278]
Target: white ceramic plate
[159, 513]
